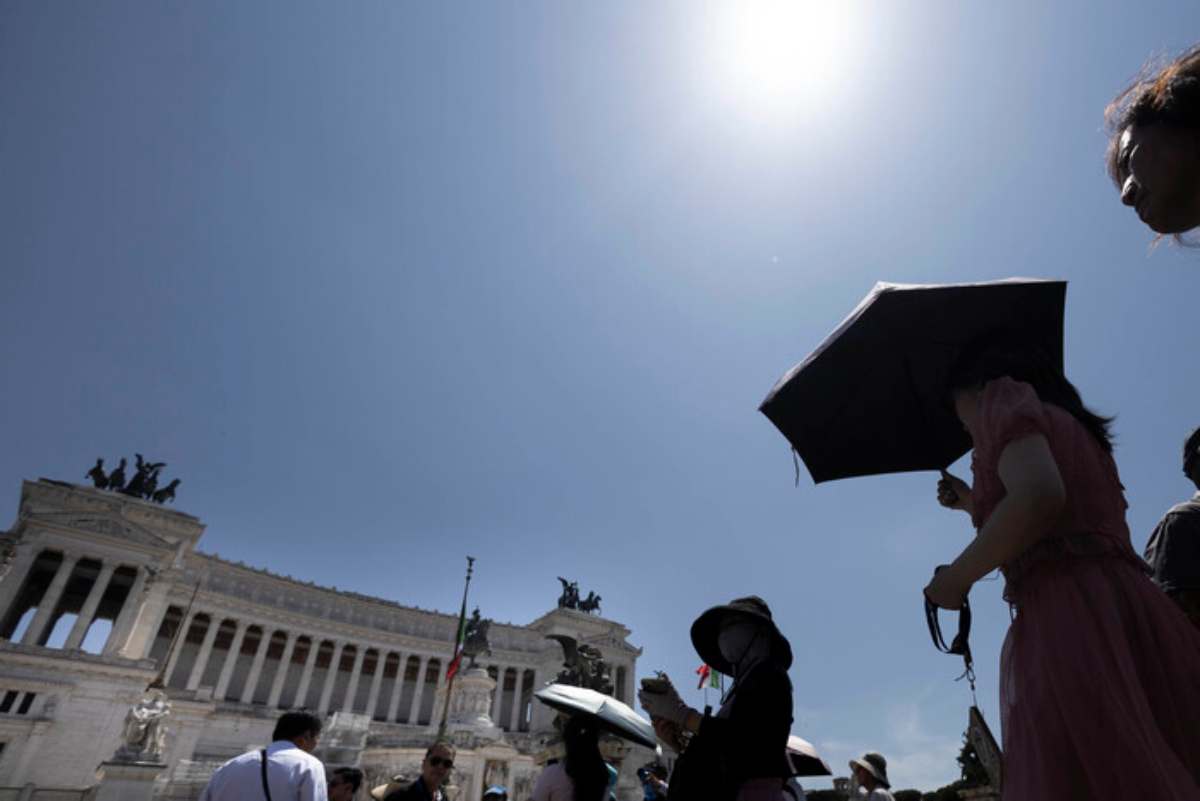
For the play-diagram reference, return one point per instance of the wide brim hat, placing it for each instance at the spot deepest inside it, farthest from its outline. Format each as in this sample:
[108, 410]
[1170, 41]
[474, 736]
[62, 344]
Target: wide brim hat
[708, 626]
[874, 764]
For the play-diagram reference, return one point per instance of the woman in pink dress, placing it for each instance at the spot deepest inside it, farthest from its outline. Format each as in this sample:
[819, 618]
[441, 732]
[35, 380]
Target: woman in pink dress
[1100, 672]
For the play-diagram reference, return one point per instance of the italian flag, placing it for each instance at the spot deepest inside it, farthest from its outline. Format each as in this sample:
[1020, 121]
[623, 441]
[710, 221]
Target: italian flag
[709, 675]
[458, 643]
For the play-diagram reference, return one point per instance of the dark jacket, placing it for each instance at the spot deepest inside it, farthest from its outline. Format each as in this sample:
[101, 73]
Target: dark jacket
[747, 739]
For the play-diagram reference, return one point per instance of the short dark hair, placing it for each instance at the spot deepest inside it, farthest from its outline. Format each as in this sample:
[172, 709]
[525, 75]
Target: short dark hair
[296, 724]
[445, 745]
[1191, 448]
[350, 776]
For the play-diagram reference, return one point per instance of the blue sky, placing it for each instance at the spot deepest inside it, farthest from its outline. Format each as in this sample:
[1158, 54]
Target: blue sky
[390, 283]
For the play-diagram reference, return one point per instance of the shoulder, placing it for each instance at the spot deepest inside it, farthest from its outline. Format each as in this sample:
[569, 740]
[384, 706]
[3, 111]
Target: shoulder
[1188, 511]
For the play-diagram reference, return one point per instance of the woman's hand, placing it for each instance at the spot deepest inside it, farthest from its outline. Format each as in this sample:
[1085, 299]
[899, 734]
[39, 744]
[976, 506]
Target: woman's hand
[666, 705]
[946, 590]
[954, 493]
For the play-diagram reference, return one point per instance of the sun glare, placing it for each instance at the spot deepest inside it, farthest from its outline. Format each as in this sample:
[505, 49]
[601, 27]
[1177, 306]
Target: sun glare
[776, 58]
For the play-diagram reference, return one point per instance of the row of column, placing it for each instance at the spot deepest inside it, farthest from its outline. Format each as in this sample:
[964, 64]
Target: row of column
[200, 666]
[519, 701]
[39, 629]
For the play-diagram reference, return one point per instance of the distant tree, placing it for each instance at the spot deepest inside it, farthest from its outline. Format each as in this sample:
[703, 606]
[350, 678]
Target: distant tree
[907, 795]
[973, 772]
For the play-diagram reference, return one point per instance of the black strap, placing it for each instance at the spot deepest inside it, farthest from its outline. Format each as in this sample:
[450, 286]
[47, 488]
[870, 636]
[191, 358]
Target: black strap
[266, 787]
[960, 645]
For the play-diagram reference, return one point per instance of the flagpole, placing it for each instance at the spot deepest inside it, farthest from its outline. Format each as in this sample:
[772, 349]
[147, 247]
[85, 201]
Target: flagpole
[462, 616]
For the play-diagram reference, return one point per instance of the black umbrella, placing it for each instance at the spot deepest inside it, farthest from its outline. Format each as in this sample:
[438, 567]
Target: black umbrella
[872, 397]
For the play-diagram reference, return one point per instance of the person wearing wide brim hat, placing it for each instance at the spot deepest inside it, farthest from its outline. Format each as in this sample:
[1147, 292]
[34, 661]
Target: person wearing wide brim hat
[870, 771]
[739, 754]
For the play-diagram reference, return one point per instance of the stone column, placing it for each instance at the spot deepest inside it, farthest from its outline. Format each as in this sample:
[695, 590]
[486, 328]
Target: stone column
[306, 677]
[256, 666]
[376, 681]
[84, 620]
[352, 688]
[515, 712]
[14, 579]
[231, 659]
[129, 609]
[414, 714]
[50, 600]
[148, 621]
[285, 664]
[498, 700]
[179, 643]
[205, 653]
[330, 678]
[397, 689]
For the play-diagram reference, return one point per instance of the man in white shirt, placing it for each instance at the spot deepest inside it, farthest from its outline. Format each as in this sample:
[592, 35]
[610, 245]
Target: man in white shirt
[285, 770]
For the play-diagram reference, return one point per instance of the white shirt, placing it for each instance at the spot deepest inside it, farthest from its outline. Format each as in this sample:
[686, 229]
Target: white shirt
[292, 775]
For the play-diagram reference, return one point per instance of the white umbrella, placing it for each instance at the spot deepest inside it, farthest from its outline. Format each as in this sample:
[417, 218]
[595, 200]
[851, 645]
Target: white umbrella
[804, 760]
[613, 715]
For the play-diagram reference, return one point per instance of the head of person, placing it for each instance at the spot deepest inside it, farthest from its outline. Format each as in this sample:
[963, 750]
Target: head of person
[583, 762]
[344, 784]
[734, 637]
[1154, 145]
[301, 727]
[870, 770]
[1191, 457]
[495, 793]
[1003, 354]
[439, 759]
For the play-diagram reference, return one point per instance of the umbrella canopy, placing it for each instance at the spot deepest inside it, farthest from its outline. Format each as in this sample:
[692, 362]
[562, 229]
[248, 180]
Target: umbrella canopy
[871, 398]
[613, 715]
[804, 760]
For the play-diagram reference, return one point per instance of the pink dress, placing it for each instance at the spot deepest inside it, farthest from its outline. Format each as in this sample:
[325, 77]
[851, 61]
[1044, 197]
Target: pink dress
[1100, 671]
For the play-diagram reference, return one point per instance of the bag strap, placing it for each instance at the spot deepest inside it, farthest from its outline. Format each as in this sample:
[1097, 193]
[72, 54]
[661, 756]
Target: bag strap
[960, 645]
[266, 787]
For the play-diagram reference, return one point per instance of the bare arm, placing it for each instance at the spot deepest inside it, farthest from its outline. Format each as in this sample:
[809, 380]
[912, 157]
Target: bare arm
[1033, 501]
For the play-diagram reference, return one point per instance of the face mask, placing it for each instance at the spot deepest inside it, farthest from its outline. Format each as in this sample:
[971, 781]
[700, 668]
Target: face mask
[741, 640]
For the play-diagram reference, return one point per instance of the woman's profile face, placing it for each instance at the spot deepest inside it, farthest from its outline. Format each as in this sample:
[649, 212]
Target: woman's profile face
[1158, 168]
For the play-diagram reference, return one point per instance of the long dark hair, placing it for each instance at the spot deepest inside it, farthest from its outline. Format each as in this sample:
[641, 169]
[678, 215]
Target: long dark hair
[584, 764]
[1005, 354]
[1169, 95]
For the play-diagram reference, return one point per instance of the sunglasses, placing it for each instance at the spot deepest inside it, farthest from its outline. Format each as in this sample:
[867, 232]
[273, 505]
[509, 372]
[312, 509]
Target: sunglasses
[437, 762]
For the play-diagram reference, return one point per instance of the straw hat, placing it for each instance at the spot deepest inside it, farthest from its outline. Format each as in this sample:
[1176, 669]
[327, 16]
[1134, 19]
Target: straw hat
[708, 626]
[874, 763]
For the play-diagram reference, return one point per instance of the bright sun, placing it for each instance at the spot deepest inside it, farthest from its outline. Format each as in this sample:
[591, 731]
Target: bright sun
[774, 58]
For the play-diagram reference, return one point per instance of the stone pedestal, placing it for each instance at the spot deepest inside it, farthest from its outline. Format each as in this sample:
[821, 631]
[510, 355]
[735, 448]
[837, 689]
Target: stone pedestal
[127, 781]
[343, 738]
[471, 705]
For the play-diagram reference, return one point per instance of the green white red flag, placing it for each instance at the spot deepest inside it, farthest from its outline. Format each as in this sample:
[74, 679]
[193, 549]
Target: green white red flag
[458, 643]
[707, 674]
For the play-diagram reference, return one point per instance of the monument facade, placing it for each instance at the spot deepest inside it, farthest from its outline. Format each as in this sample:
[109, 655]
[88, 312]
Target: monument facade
[104, 594]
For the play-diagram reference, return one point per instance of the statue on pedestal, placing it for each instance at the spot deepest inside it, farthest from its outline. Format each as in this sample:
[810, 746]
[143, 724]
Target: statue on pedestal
[144, 737]
[96, 474]
[570, 597]
[476, 642]
[583, 666]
